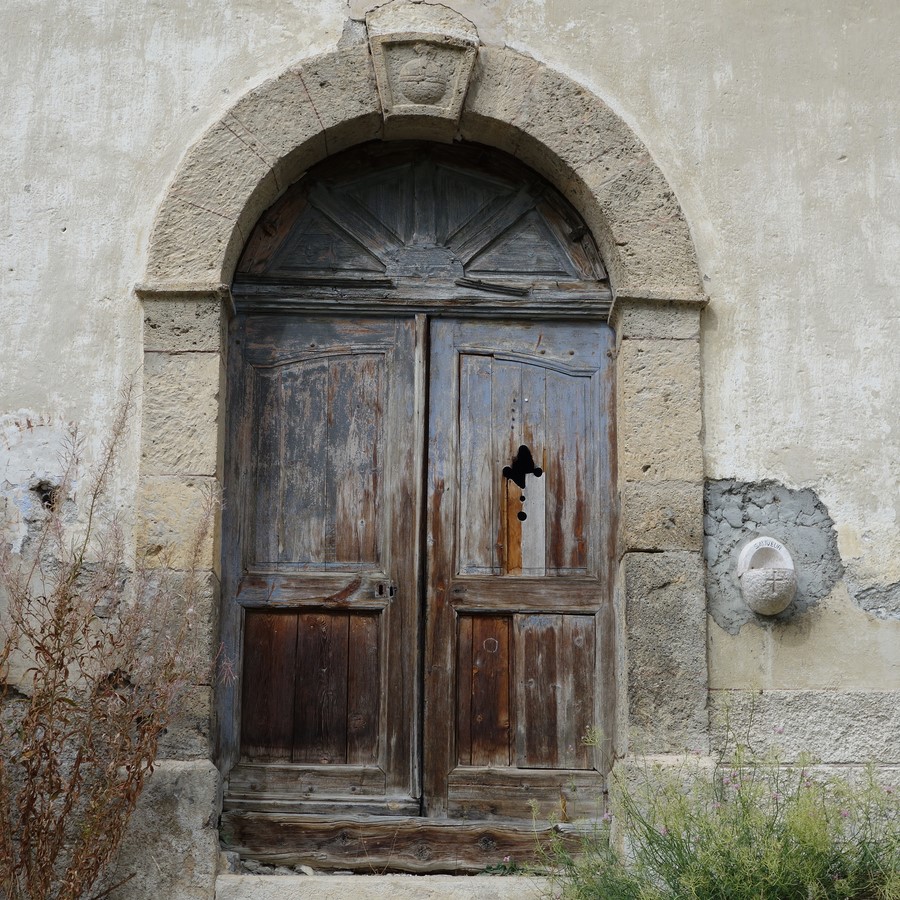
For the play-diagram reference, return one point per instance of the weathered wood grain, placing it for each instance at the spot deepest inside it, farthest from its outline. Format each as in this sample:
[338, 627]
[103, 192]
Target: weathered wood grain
[300, 521]
[478, 479]
[270, 656]
[257, 781]
[491, 677]
[320, 706]
[353, 457]
[363, 690]
[555, 658]
[385, 843]
[547, 794]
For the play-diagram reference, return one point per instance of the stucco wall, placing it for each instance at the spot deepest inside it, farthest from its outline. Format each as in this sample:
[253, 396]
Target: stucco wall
[775, 124]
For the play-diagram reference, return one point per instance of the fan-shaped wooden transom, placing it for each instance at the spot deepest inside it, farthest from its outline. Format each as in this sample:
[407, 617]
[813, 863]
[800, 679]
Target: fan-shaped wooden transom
[421, 224]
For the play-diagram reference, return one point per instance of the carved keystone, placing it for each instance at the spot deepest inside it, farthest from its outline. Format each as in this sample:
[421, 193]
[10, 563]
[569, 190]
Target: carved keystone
[423, 55]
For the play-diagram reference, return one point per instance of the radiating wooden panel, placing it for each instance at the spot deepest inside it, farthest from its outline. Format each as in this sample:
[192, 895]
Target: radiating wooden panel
[353, 458]
[478, 478]
[363, 689]
[320, 707]
[461, 196]
[388, 196]
[555, 661]
[525, 246]
[568, 458]
[400, 209]
[318, 244]
[270, 652]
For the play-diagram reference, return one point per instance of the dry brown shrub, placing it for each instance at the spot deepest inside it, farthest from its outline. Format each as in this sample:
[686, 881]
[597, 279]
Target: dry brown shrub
[107, 646]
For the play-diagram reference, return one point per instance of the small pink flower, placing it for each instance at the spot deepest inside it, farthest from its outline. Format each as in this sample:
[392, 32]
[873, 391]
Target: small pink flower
[607, 817]
[663, 830]
[776, 796]
[889, 789]
[778, 729]
[506, 859]
[845, 813]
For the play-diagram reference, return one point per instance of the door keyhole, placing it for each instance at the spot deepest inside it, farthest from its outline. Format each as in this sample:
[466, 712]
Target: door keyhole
[522, 465]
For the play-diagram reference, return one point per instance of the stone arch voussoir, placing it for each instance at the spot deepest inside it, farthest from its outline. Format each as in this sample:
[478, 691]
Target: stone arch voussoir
[514, 103]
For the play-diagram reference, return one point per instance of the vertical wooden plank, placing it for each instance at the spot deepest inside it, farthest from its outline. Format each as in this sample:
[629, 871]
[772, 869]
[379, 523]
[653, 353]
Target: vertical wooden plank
[567, 455]
[353, 464]
[477, 476]
[440, 622]
[534, 414]
[505, 425]
[267, 498]
[425, 202]
[302, 504]
[464, 676]
[577, 687]
[512, 527]
[270, 647]
[490, 691]
[537, 690]
[363, 689]
[320, 712]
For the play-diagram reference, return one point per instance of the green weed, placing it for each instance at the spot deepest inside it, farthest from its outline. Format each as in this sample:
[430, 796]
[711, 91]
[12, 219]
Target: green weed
[745, 828]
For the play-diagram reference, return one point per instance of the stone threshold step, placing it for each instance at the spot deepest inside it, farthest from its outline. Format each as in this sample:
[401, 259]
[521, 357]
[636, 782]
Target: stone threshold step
[380, 887]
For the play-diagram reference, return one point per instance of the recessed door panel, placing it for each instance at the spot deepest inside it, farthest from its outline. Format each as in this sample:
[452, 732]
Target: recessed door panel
[518, 604]
[319, 444]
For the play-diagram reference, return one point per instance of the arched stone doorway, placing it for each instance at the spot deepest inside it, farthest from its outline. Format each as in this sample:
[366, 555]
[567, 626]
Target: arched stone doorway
[571, 138]
[420, 529]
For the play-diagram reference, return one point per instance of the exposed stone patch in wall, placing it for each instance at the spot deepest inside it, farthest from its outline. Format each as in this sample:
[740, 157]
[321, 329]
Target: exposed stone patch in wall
[881, 600]
[736, 511]
[30, 470]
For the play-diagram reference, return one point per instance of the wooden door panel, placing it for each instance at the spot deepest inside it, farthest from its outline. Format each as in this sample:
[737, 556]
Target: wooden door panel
[525, 686]
[556, 684]
[270, 655]
[484, 677]
[320, 688]
[328, 488]
[518, 588]
[531, 523]
[319, 445]
[311, 687]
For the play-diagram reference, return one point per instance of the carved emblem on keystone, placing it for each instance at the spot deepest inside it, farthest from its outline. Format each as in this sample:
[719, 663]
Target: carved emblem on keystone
[423, 56]
[423, 80]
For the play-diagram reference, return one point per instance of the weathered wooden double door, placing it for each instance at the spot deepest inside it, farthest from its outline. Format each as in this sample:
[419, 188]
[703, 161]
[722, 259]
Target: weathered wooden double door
[419, 544]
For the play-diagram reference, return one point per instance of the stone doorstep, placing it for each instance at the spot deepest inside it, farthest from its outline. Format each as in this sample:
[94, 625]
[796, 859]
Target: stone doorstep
[380, 887]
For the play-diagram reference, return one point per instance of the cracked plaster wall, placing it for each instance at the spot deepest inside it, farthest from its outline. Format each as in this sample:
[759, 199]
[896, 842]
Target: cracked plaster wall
[833, 636]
